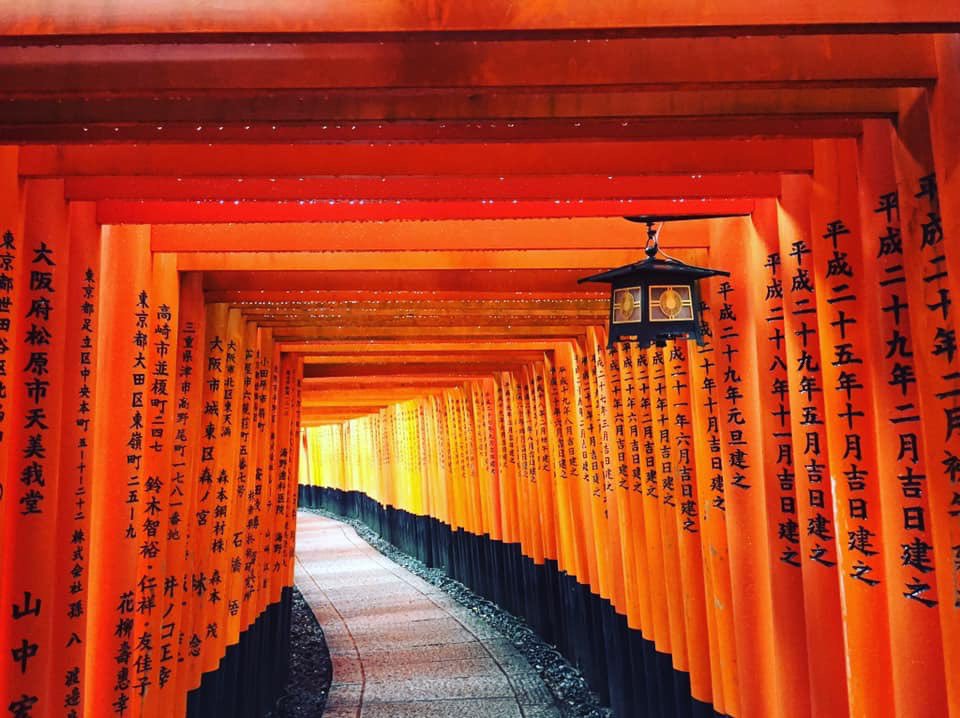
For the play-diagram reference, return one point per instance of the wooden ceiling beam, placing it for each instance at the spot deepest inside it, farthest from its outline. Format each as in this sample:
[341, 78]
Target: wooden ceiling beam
[559, 282]
[314, 396]
[316, 349]
[462, 235]
[631, 158]
[427, 324]
[51, 18]
[412, 261]
[230, 130]
[378, 402]
[411, 62]
[377, 380]
[241, 298]
[556, 332]
[402, 369]
[338, 413]
[469, 311]
[334, 418]
[372, 314]
[491, 187]
[212, 212]
[444, 359]
[350, 115]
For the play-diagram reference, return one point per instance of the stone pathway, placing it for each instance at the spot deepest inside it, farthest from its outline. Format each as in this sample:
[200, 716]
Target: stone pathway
[400, 647]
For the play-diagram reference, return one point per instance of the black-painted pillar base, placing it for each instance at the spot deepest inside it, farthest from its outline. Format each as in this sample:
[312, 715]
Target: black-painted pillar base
[252, 673]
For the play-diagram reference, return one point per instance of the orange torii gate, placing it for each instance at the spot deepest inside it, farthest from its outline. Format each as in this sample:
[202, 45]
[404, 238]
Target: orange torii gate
[219, 225]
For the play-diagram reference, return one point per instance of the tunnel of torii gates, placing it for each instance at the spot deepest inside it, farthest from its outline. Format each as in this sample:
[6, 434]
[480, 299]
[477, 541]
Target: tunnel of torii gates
[327, 254]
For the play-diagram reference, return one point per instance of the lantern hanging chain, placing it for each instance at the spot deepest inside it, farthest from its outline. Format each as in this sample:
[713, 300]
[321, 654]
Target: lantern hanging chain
[653, 242]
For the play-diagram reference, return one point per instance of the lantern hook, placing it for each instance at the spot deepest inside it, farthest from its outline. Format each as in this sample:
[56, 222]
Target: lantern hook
[653, 237]
[652, 247]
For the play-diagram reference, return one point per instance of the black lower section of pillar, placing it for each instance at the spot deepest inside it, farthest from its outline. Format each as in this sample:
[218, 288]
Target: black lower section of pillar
[252, 673]
[621, 666]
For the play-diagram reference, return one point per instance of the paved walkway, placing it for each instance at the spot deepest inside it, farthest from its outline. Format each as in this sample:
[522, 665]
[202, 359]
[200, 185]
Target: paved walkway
[402, 648]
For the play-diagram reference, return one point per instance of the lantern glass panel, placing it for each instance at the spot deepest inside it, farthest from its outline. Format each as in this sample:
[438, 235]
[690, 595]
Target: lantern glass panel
[671, 302]
[627, 305]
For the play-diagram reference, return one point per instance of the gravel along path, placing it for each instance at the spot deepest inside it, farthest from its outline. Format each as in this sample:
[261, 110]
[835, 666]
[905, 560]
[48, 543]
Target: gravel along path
[310, 667]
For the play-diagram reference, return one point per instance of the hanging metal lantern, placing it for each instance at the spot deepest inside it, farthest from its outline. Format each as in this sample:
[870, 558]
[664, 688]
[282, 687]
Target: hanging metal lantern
[655, 299]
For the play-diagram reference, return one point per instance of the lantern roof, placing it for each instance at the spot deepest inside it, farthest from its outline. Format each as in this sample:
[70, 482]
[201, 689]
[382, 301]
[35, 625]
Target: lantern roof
[669, 267]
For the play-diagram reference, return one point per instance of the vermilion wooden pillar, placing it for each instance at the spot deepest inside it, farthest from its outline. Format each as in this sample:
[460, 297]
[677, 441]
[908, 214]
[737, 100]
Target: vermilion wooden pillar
[744, 483]
[590, 462]
[933, 322]
[262, 481]
[70, 604]
[783, 526]
[822, 606]
[662, 484]
[185, 457]
[580, 525]
[155, 664]
[704, 394]
[688, 525]
[845, 350]
[625, 456]
[28, 576]
[913, 586]
[649, 510]
[206, 579]
[247, 475]
[119, 434]
[11, 258]
[228, 615]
